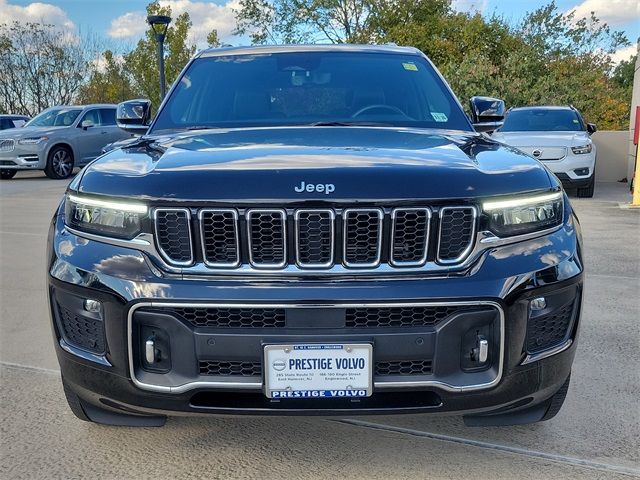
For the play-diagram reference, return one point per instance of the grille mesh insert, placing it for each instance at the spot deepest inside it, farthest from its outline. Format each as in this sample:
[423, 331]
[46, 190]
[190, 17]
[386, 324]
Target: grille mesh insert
[173, 235]
[410, 236]
[457, 226]
[400, 316]
[219, 235]
[362, 231]
[315, 237]
[82, 332]
[404, 367]
[230, 317]
[267, 235]
[230, 368]
[236, 368]
[549, 330]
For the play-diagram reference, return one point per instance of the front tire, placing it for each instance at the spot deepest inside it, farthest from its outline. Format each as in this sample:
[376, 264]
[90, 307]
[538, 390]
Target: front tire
[7, 174]
[59, 163]
[587, 192]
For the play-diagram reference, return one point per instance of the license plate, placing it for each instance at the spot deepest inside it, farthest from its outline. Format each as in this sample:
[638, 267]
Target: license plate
[318, 370]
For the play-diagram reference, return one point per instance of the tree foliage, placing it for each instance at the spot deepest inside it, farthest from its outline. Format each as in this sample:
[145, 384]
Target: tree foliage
[142, 62]
[40, 66]
[109, 82]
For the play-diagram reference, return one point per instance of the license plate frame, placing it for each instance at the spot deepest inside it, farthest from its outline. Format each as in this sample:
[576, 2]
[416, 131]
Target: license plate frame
[321, 383]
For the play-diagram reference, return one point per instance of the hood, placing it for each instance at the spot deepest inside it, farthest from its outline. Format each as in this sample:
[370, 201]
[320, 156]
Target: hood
[360, 163]
[542, 139]
[22, 132]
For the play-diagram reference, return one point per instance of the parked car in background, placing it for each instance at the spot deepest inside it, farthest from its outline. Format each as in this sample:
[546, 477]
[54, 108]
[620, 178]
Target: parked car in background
[557, 136]
[12, 121]
[59, 139]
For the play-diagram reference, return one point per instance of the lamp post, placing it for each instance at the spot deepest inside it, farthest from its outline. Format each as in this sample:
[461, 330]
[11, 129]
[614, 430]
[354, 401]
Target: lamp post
[159, 24]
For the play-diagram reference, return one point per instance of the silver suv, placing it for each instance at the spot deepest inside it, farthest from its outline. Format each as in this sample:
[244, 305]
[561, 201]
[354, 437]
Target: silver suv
[59, 139]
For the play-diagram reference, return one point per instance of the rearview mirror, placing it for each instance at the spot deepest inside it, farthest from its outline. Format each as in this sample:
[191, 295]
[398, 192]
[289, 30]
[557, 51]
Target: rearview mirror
[134, 116]
[591, 128]
[487, 114]
[86, 124]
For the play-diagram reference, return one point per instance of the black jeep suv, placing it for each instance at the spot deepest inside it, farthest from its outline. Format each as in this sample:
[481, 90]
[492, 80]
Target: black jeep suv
[314, 230]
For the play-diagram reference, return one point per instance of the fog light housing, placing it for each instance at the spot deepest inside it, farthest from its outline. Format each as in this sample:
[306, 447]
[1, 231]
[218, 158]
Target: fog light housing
[92, 306]
[581, 171]
[539, 303]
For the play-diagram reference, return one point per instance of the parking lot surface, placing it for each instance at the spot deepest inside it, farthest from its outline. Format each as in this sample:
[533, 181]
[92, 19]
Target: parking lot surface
[596, 434]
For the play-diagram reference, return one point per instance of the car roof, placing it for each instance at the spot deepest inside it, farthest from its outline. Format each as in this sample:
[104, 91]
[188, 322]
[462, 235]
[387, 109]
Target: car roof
[92, 105]
[11, 115]
[267, 49]
[544, 107]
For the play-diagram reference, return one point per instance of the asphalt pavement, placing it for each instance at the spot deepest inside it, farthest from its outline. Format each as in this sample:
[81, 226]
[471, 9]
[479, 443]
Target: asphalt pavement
[596, 435]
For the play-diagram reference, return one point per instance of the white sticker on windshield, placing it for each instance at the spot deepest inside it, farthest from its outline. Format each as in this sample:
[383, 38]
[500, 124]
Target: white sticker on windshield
[439, 117]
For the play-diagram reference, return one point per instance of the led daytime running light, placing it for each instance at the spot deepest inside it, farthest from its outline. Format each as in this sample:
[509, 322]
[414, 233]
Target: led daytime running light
[125, 207]
[519, 202]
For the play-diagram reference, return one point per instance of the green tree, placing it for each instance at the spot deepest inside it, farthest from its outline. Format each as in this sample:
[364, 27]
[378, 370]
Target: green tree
[624, 71]
[110, 82]
[142, 62]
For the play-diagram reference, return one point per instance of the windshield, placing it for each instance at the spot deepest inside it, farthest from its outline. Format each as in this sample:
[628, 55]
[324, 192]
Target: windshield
[542, 120]
[55, 117]
[311, 88]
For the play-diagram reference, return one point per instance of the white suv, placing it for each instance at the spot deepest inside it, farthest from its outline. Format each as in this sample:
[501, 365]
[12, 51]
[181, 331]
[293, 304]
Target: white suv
[559, 138]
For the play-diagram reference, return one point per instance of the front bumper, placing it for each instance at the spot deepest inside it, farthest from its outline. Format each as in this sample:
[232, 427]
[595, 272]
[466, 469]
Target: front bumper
[23, 157]
[502, 282]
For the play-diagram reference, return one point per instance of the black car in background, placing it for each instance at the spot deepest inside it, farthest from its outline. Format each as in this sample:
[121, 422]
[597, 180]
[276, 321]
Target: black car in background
[314, 230]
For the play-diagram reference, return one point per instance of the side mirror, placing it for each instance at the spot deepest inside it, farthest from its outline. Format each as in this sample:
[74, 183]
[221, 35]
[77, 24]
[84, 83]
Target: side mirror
[86, 124]
[487, 114]
[134, 116]
[591, 128]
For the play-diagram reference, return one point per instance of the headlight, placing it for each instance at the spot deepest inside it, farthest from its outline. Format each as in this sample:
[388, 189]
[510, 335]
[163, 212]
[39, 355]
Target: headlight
[32, 140]
[104, 217]
[526, 214]
[581, 149]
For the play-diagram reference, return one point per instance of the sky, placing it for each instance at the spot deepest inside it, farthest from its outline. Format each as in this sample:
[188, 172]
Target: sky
[122, 22]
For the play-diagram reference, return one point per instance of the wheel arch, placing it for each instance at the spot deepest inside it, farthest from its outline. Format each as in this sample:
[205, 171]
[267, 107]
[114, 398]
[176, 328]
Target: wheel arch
[61, 143]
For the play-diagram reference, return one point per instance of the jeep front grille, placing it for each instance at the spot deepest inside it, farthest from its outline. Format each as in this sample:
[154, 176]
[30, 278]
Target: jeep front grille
[315, 238]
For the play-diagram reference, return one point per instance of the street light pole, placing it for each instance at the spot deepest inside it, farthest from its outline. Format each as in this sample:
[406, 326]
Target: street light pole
[160, 24]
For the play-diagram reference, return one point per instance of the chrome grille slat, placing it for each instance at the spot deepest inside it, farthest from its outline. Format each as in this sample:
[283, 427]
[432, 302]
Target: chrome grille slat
[173, 235]
[219, 237]
[456, 234]
[7, 145]
[315, 238]
[410, 229]
[362, 236]
[267, 237]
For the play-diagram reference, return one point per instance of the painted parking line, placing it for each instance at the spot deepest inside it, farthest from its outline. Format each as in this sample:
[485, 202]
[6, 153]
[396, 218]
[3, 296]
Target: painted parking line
[562, 459]
[578, 462]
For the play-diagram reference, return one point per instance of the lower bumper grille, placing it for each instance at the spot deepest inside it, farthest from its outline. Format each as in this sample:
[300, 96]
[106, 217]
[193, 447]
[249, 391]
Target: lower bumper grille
[254, 369]
[550, 330]
[82, 332]
[362, 317]
[228, 369]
